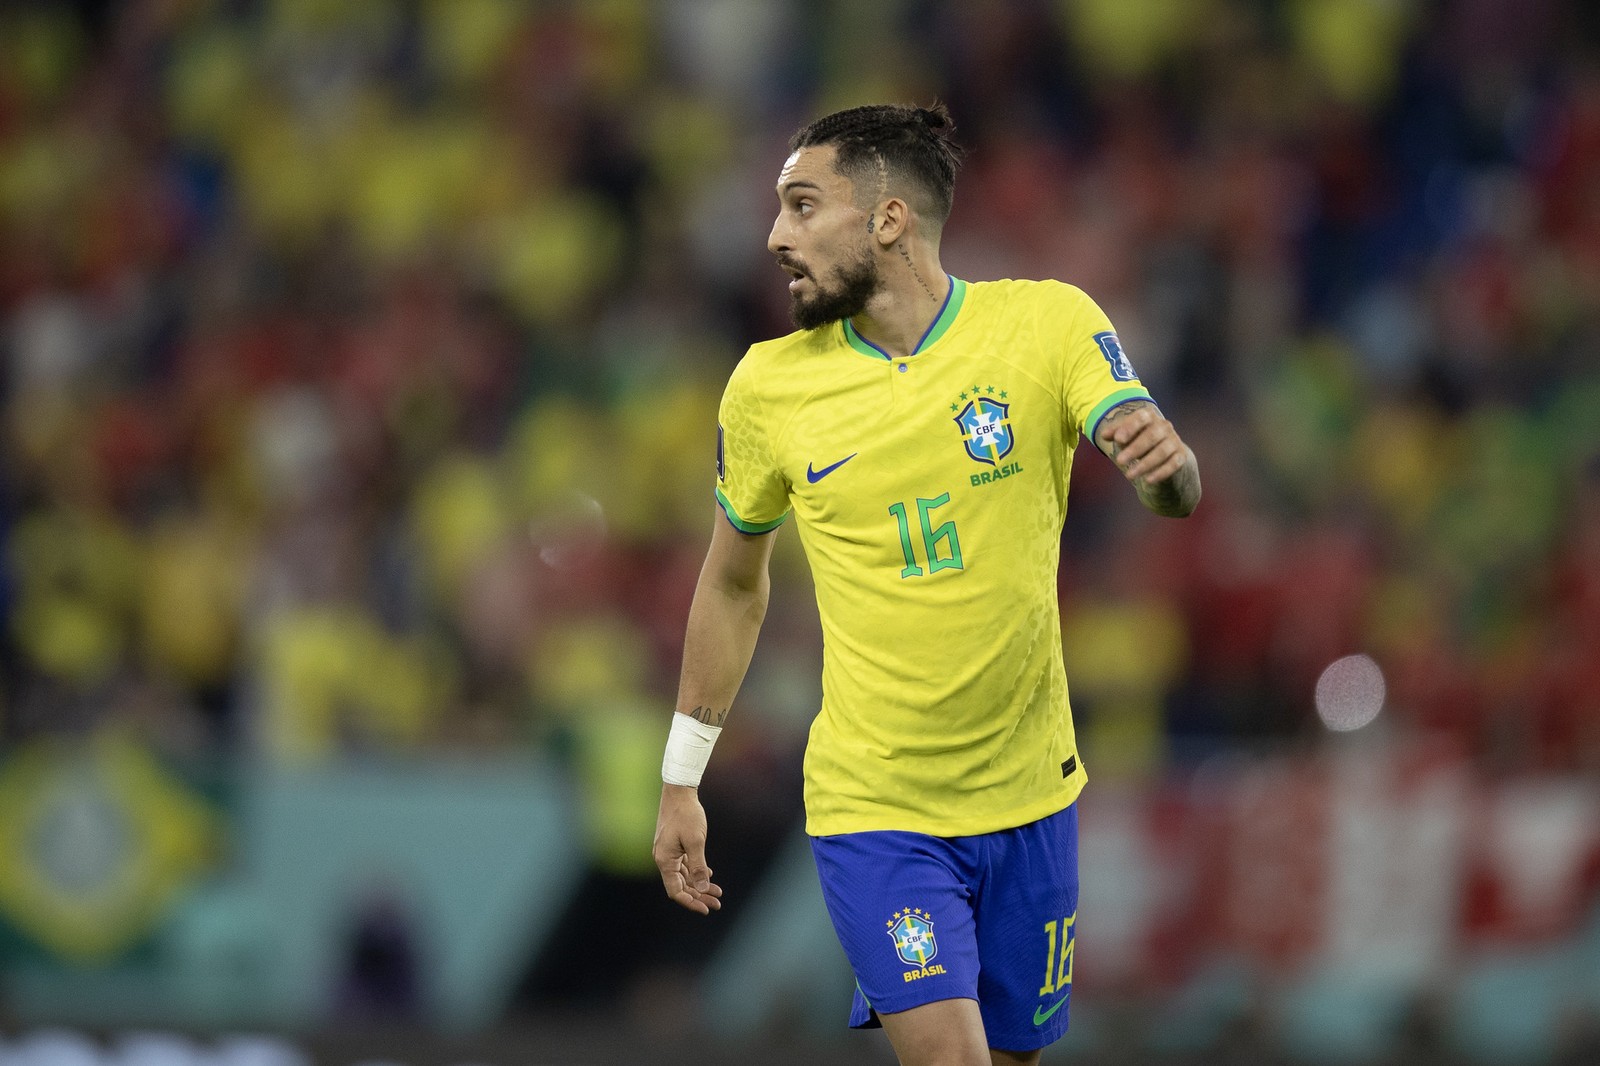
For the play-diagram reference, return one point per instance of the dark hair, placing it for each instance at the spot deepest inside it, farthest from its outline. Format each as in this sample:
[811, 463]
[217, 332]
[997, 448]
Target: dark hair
[879, 140]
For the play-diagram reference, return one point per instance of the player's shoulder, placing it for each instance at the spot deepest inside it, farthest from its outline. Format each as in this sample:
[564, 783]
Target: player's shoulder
[800, 342]
[1022, 295]
[768, 364]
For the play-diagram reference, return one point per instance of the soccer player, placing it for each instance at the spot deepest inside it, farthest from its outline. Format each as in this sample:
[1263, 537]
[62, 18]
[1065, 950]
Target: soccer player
[921, 429]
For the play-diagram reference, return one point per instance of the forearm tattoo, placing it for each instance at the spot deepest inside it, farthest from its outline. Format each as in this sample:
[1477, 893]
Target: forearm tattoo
[1178, 494]
[1109, 422]
[707, 716]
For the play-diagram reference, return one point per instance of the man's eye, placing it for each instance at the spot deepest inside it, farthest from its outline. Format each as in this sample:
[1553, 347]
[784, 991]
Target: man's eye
[804, 207]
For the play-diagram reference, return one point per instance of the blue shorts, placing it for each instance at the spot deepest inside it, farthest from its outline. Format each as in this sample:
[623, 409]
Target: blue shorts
[990, 918]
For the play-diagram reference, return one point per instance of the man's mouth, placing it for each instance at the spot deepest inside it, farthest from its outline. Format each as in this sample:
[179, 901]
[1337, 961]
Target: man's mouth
[796, 275]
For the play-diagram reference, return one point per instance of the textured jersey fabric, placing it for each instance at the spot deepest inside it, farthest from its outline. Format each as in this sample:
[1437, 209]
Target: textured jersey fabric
[929, 493]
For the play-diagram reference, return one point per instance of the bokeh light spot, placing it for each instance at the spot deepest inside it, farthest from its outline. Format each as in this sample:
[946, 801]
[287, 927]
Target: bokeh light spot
[571, 532]
[1350, 693]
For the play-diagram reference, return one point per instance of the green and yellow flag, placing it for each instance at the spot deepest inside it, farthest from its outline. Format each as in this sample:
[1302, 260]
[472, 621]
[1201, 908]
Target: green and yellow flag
[97, 840]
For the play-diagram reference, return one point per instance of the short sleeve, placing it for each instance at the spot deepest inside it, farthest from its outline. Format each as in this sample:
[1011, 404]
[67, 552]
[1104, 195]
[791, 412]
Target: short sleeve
[1097, 376]
[751, 490]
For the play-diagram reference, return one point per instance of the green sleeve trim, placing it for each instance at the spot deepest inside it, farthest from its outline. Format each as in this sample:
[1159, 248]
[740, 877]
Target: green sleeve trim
[1091, 425]
[753, 528]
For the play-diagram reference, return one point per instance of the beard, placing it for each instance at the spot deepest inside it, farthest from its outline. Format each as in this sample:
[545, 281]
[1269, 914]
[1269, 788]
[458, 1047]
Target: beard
[852, 285]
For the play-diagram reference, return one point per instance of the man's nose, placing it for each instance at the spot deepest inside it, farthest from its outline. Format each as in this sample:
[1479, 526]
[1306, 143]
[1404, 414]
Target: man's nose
[778, 240]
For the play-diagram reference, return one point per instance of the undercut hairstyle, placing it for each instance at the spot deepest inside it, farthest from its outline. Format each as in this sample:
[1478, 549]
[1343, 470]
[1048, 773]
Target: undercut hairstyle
[881, 146]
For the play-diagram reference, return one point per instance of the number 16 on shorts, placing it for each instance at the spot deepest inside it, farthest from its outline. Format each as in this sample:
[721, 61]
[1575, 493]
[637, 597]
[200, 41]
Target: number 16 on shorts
[1058, 966]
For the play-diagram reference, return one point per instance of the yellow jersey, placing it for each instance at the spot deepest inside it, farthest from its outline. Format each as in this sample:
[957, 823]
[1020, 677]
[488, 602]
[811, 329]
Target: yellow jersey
[929, 492]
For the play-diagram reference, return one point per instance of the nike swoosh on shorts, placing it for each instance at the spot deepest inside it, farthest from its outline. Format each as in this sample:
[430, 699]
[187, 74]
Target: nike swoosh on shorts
[1040, 1019]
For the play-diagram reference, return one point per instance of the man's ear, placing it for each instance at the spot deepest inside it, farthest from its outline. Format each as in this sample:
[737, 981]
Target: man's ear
[889, 221]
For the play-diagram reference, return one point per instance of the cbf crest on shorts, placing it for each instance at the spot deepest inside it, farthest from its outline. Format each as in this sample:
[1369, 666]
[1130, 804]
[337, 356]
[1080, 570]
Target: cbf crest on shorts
[986, 427]
[912, 930]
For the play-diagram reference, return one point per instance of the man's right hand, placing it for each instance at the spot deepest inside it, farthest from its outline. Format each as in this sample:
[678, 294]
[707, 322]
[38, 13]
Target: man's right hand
[680, 850]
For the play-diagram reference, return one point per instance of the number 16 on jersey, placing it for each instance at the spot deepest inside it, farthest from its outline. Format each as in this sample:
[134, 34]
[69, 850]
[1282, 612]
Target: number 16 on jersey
[941, 547]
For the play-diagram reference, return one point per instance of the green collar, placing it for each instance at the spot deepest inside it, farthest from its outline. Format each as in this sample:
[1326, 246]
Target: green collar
[940, 325]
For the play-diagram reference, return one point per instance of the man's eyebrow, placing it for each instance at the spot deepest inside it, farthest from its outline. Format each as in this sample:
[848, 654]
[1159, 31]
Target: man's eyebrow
[797, 183]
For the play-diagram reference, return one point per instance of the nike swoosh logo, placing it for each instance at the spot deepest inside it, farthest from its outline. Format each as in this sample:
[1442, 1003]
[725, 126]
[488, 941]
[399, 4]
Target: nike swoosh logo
[1040, 1019]
[815, 476]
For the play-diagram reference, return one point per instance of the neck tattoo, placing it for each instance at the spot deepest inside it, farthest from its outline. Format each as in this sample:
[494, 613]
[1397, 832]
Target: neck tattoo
[916, 274]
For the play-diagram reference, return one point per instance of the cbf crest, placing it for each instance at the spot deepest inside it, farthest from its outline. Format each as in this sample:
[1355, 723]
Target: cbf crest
[985, 424]
[912, 931]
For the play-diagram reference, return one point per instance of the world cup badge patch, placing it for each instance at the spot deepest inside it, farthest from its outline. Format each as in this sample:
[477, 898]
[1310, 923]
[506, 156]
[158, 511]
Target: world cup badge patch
[1116, 358]
[985, 424]
[912, 932]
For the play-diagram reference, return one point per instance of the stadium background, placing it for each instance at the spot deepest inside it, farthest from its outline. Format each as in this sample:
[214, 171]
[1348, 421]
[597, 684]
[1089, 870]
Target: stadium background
[360, 366]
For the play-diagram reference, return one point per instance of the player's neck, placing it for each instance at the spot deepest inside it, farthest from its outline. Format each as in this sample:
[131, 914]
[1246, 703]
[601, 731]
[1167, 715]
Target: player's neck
[914, 292]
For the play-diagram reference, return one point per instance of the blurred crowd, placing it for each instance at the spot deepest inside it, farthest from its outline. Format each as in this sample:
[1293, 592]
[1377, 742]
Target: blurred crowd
[361, 358]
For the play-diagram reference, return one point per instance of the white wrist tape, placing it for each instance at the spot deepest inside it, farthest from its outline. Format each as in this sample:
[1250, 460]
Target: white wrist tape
[688, 750]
